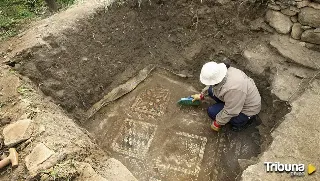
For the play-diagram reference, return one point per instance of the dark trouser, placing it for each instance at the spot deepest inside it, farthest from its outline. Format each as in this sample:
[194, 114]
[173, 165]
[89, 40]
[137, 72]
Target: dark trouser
[213, 110]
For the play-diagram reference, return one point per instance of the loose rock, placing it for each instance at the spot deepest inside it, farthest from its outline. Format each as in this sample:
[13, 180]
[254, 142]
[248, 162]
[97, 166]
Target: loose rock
[306, 27]
[309, 16]
[278, 21]
[16, 132]
[39, 154]
[311, 36]
[222, 2]
[260, 25]
[274, 7]
[294, 19]
[296, 31]
[288, 12]
[295, 9]
[258, 59]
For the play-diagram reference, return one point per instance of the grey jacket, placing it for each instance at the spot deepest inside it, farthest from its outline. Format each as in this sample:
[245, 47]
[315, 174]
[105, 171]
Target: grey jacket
[239, 93]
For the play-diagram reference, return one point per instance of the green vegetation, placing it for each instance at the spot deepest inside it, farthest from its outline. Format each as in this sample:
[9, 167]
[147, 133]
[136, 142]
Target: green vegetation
[15, 13]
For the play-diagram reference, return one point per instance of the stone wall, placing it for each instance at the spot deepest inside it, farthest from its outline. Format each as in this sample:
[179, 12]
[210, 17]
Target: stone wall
[299, 18]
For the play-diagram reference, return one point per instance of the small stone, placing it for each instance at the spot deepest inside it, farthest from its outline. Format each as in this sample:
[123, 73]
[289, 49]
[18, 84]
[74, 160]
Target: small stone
[256, 60]
[274, 7]
[317, 30]
[44, 177]
[223, 2]
[84, 59]
[16, 132]
[60, 94]
[39, 154]
[288, 12]
[311, 37]
[260, 25]
[294, 19]
[303, 44]
[42, 129]
[306, 27]
[282, 6]
[295, 9]
[309, 16]
[303, 3]
[296, 31]
[279, 21]
[9, 49]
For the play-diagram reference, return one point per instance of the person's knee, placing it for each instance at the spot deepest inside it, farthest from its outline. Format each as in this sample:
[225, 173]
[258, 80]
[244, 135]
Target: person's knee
[214, 110]
[211, 112]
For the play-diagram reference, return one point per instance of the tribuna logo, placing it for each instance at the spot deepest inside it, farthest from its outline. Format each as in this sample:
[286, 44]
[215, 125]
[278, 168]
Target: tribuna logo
[293, 169]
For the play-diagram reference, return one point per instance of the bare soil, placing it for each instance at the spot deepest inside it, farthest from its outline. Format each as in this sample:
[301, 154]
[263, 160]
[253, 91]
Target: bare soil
[77, 69]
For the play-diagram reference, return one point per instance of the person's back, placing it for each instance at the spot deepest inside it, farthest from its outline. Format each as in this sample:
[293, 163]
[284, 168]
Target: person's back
[237, 98]
[239, 81]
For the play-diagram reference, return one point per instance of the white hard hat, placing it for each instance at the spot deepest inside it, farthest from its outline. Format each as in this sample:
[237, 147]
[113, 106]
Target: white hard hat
[213, 73]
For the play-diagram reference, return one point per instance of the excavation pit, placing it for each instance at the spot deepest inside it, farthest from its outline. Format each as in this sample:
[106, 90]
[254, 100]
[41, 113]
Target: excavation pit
[144, 128]
[156, 138]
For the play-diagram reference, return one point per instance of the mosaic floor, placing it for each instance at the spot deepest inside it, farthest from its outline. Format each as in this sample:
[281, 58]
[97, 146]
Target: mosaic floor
[158, 140]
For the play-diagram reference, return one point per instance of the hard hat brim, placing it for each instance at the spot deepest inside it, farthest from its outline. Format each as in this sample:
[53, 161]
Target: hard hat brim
[222, 73]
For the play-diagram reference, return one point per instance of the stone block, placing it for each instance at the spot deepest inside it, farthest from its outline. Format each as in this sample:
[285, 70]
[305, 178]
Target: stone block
[311, 36]
[279, 21]
[296, 31]
[17, 132]
[309, 16]
[39, 154]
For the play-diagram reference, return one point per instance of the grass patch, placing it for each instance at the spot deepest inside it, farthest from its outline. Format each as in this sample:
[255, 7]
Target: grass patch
[15, 13]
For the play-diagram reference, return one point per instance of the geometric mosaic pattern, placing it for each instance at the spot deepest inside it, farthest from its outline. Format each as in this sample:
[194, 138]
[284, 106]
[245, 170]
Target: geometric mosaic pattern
[134, 138]
[182, 152]
[152, 102]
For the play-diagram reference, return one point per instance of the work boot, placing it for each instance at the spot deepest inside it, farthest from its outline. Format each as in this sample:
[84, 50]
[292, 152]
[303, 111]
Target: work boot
[240, 128]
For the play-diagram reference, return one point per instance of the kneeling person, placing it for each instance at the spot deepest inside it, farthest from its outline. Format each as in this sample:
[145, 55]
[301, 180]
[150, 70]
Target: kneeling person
[238, 99]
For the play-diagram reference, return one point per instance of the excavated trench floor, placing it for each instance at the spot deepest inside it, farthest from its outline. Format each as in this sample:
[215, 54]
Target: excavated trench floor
[156, 139]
